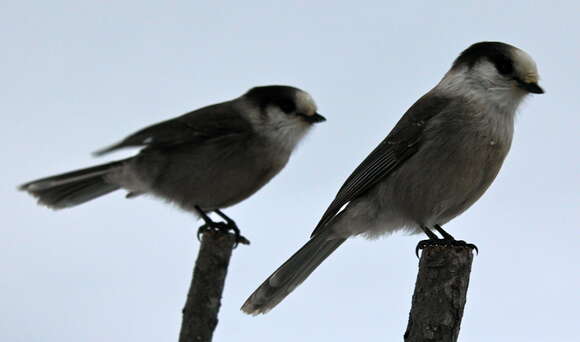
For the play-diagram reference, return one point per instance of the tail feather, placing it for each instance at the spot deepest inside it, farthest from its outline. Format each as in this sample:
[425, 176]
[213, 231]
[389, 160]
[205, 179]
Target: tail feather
[291, 274]
[73, 188]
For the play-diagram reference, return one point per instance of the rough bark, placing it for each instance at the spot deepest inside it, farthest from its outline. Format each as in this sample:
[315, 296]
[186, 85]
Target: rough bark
[204, 297]
[440, 294]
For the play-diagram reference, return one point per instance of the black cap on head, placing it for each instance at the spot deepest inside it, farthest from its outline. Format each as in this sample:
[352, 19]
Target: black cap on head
[500, 54]
[508, 60]
[289, 99]
[274, 94]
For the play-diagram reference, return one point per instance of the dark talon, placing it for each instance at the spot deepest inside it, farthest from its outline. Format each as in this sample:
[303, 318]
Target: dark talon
[200, 232]
[462, 243]
[231, 225]
[204, 228]
[223, 227]
[433, 238]
[444, 243]
[422, 244]
[238, 237]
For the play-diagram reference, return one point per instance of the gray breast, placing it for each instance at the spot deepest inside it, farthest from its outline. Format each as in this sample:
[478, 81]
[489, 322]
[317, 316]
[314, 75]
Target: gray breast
[460, 157]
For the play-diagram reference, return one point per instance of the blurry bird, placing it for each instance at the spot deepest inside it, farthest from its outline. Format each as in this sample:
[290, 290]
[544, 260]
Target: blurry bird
[203, 161]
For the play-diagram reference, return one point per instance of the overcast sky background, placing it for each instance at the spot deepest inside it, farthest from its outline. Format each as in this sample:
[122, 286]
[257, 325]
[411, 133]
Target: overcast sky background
[77, 76]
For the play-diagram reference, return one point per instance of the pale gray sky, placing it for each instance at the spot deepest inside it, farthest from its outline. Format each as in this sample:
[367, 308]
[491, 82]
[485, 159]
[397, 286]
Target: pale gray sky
[77, 76]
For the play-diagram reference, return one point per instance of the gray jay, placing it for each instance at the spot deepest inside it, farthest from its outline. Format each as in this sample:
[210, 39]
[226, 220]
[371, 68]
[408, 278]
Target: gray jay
[202, 161]
[439, 159]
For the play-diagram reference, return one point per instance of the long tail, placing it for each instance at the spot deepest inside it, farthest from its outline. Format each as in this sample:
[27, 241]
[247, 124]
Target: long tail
[291, 274]
[73, 188]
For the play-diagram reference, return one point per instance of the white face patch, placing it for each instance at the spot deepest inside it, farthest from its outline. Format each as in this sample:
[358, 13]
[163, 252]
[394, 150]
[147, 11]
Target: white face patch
[284, 130]
[484, 85]
[487, 71]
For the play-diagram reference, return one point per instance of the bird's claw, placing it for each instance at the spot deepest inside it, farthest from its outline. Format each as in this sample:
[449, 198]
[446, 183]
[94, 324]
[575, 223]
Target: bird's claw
[204, 228]
[223, 227]
[444, 243]
[231, 225]
[241, 239]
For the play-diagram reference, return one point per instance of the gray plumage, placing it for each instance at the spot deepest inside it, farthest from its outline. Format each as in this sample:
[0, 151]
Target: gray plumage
[438, 160]
[211, 158]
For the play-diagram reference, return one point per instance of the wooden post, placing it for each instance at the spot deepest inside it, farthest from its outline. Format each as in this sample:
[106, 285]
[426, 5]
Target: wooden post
[204, 297]
[440, 294]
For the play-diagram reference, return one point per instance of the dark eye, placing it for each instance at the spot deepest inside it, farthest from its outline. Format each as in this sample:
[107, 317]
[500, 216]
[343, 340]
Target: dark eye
[287, 106]
[504, 66]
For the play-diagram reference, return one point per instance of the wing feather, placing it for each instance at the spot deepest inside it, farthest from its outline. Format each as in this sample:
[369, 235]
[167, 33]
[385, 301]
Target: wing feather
[196, 126]
[403, 141]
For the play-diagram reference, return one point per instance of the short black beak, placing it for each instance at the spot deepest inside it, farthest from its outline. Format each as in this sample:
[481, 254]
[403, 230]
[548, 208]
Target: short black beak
[314, 118]
[532, 87]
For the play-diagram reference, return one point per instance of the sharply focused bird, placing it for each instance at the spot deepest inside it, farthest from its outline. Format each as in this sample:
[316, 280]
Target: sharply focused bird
[203, 161]
[439, 159]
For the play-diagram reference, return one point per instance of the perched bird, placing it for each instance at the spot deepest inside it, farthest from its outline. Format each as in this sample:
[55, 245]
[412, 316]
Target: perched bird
[439, 159]
[202, 161]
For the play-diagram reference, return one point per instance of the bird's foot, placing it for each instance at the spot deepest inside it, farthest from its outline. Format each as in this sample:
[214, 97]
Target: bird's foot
[227, 227]
[234, 227]
[444, 243]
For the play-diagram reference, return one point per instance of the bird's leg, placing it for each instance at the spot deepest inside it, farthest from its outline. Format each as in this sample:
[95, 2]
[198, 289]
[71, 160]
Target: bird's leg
[231, 224]
[447, 240]
[433, 239]
[446, 236]
[430, 234]
[450, 240]
[209, 224]
[224, 227]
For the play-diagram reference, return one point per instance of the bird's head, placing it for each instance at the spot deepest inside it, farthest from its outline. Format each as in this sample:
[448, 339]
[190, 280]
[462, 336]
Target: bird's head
[282, 112]
[496, 71]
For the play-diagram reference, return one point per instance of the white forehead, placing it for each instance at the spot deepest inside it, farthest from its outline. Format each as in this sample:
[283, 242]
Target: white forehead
[306, 102]
[525, 66]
